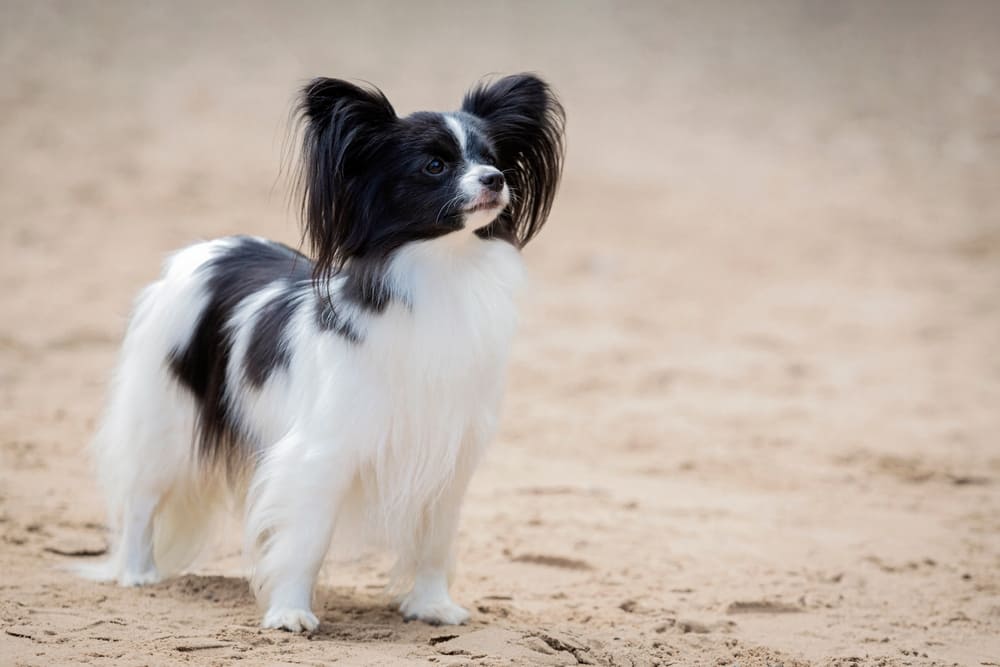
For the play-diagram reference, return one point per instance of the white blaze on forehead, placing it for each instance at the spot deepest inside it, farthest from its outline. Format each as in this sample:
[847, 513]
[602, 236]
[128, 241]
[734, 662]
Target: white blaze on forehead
[470, 182]
[456, 127]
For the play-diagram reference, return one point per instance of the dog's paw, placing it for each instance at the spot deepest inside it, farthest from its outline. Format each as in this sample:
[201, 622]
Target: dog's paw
[139, 578]
[293, 620]
[435, 612]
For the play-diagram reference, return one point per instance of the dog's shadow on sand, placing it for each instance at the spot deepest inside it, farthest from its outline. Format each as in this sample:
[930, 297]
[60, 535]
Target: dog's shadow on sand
[345, 613]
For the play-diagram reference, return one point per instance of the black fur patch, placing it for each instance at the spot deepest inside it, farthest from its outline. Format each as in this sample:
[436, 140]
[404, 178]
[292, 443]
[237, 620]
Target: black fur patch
[201, 366]
[267, 348]
[365, 284]
[328, 318]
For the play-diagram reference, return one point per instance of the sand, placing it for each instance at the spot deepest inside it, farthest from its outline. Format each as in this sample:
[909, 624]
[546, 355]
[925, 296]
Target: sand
[754, 403]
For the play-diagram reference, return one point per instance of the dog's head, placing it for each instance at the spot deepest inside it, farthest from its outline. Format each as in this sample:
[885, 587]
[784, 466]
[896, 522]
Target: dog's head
[372, 181]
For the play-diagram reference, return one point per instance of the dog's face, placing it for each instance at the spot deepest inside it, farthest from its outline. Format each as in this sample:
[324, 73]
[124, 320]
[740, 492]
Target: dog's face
[435, 174]
[373, 181]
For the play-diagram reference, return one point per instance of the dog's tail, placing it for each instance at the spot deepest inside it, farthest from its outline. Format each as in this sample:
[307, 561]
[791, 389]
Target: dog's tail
[182, 526]
[109, 566]
[104, 569]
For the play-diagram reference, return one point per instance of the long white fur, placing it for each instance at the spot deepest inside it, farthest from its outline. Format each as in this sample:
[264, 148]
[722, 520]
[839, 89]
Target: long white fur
[362, 443]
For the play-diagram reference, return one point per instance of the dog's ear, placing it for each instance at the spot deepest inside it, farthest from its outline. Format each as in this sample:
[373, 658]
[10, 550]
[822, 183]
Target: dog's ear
[525, 122]
[344, 126]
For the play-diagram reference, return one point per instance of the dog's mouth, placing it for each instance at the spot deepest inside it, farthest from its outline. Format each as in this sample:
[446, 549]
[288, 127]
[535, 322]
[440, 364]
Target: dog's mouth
[484, 203]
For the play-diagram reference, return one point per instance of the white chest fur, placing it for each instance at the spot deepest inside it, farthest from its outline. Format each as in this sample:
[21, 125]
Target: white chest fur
[455, 316]
[437, 358]
[414, 403]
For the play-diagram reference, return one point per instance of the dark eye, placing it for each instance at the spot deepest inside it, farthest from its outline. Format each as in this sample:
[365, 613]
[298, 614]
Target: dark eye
[434, 167]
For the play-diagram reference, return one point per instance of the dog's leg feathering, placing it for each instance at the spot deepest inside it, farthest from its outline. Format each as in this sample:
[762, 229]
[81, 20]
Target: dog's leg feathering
[432, 564]
[286, 548]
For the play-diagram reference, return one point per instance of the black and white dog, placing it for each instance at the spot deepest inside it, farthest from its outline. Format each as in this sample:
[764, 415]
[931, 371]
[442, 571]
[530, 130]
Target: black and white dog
[346, 397]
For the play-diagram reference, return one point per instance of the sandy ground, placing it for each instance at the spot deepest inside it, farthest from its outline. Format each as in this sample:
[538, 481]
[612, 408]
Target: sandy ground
[754, 405]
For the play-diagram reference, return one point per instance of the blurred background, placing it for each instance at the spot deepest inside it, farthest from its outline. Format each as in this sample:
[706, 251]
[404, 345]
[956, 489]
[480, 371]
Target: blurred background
[754, 403]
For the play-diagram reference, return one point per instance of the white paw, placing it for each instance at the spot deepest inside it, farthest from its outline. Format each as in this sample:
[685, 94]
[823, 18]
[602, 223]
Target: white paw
[293, 620]
[138, 578]
[433, 611]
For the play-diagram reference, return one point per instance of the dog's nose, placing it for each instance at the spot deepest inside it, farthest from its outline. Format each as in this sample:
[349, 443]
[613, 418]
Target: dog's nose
[492, 180]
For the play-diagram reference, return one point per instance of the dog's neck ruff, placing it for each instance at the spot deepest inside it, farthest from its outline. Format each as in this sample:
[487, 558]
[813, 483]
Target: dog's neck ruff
[427, 377]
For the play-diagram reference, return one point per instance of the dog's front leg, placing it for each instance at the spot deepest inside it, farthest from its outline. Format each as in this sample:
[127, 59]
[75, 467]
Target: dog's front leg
[433, 561]
[292, 511]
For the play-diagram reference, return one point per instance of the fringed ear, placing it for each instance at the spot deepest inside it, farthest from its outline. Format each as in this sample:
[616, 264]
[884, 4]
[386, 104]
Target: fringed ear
[343, 127]
[525, 121]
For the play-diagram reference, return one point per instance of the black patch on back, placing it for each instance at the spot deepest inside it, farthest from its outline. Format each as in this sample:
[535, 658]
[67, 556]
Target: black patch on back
[267, 348]
[201, 366]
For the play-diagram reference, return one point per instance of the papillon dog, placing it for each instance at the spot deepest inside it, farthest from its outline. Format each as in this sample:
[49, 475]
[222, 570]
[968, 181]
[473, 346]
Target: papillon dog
[343, 399]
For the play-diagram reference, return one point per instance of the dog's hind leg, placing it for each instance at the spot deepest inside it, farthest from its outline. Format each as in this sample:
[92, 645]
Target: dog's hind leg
[144, 455]
[138, 566]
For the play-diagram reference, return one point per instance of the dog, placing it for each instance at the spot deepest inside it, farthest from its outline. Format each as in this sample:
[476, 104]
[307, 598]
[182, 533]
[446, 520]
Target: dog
[344, 398]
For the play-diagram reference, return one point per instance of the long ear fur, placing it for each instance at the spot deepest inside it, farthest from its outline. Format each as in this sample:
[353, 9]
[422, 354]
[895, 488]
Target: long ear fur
[526, 123]
[343, 126]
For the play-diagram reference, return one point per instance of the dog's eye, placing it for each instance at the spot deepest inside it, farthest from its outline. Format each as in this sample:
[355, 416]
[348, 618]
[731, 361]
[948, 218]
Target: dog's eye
[434, 167]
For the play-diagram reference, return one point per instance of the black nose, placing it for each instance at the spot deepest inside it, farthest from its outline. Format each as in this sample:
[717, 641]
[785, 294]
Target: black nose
[492, 180]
